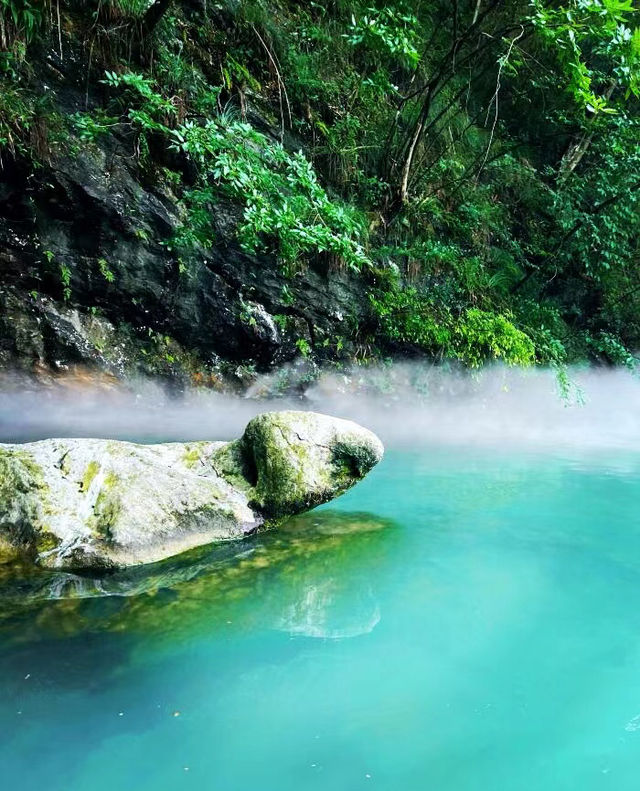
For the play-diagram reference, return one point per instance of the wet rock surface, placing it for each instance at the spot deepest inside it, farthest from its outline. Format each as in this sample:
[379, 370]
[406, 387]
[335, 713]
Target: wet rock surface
[85, 250]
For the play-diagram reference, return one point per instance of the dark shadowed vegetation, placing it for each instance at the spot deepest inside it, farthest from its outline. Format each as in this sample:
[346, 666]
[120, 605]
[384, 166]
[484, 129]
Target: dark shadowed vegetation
[468, 172]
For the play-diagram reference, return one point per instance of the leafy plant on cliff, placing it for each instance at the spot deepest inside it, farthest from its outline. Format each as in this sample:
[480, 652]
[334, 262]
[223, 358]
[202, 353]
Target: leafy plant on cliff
[589, 38]
[482, 154]
[24, 16]
[285, 209]
[146, 107]
[409, 318]
[389, 31]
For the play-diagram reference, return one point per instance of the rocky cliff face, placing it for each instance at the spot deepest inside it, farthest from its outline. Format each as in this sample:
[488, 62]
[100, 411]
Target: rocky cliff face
[87, 276]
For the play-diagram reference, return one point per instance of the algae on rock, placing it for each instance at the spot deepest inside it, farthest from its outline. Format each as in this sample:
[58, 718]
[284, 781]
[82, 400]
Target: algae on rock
[87, 503]
[301, 462]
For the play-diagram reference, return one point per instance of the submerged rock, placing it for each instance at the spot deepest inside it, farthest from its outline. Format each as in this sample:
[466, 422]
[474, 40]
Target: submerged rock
[270, 580]
[87, 503]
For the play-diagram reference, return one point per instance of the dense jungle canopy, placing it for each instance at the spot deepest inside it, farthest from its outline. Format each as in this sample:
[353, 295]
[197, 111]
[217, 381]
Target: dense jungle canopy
[187, 185]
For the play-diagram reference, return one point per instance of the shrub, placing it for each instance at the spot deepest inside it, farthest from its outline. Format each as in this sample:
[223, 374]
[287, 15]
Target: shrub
[409, 317]
[285, 209]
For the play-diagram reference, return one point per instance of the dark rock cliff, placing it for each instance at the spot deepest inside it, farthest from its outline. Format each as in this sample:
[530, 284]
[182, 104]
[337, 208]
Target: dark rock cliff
[87, 276]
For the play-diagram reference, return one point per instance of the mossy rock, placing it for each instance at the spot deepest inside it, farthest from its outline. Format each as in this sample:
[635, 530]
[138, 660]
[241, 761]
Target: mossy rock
[87, 503]
[302, 459]
[23, 501]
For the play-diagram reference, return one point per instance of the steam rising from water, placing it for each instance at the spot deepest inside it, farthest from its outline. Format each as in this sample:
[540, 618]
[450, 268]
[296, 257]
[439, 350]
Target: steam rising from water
[406, 404]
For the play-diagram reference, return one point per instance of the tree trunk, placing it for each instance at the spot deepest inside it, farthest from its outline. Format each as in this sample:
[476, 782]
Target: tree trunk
[578, 148]
[153, 15]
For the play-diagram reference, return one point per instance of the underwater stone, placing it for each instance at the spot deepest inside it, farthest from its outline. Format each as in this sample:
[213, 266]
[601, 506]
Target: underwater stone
[95, 503]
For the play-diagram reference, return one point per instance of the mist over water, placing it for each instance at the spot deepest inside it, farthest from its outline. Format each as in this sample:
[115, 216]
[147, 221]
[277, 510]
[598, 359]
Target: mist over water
[466, 617]
[407, 404]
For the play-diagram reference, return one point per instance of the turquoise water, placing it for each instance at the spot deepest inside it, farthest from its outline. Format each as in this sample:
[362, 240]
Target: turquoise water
[459, 621]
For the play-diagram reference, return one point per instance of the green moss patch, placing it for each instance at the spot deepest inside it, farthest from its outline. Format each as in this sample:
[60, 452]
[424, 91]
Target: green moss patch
[92, 469]
[23, 498]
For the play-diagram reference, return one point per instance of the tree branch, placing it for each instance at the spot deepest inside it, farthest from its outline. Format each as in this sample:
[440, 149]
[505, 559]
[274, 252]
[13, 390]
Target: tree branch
[153, 15]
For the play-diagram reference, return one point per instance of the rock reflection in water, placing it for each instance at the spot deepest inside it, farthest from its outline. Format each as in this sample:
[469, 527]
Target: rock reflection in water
[326, 602]
[315, 576]
[321, 611]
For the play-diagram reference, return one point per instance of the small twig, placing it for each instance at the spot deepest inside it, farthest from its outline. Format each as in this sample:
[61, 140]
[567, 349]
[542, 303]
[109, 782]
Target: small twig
[284, 90]
[59, 28]
[86, 95]
[494, 99]
[281, 86]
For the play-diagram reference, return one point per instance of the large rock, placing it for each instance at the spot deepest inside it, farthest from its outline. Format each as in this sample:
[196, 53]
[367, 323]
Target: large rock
[83, 503]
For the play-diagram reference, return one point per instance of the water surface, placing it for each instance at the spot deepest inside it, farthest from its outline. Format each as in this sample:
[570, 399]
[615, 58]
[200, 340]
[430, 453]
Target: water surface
[458, 621]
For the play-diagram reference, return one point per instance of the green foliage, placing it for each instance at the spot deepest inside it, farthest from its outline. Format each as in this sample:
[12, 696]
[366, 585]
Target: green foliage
[91, 127]
[198, 230]
[235, 73]
[473, 337]
[408, 317]
[150, 112]
[609, 346]
[284, 207]
[132, 8]
[105, 270]
[388, 31]
[65, 279]
[586, 35]
[303, 347]
[483, 335]
[17, 114]
[177, 74]
[514, 236]
[27, 16]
